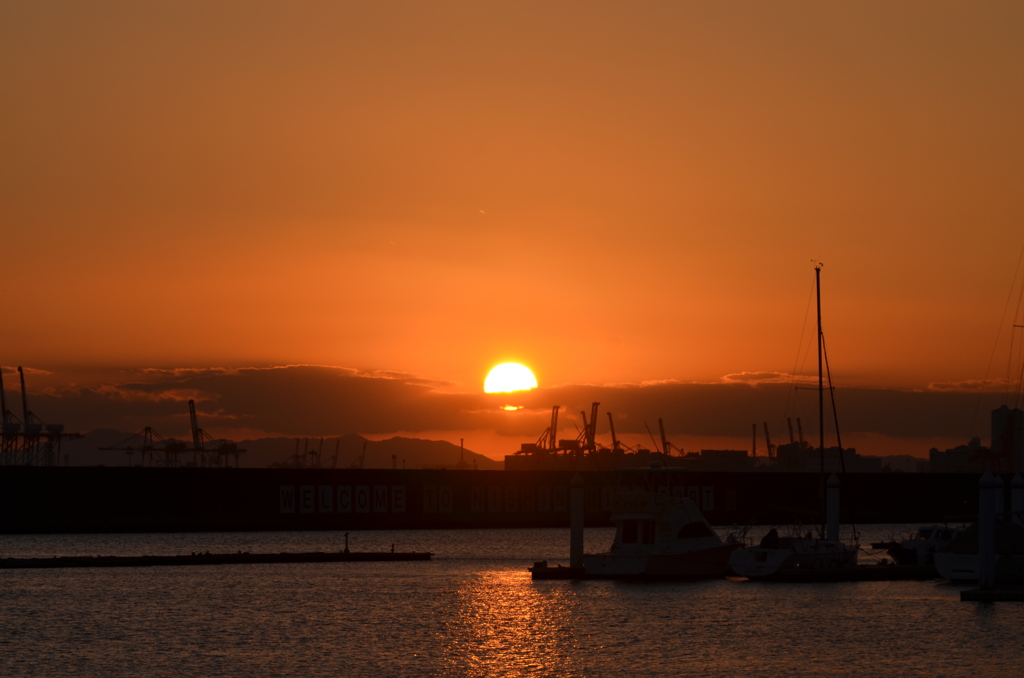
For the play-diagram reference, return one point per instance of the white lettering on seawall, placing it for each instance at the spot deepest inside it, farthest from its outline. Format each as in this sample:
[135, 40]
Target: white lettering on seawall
[306, 499]
[322, 499]
[326, 499]
[287, 499]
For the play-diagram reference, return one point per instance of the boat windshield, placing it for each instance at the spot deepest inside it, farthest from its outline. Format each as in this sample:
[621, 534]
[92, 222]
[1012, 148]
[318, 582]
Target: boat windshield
[638, 532]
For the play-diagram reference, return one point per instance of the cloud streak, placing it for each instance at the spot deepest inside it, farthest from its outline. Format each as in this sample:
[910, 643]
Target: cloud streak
[309, 400]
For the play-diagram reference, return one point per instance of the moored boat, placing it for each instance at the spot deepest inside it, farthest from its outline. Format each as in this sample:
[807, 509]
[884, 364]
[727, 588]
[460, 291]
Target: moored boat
[920, 549]
[959, 560]
[778, 557]
[660, 536]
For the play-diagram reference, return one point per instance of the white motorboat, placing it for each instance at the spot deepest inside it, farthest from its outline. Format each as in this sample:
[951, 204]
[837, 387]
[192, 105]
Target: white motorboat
[957, 566]
[959, 560]
[963, 567]
[660, 536]
[788, 557]
[922, 547]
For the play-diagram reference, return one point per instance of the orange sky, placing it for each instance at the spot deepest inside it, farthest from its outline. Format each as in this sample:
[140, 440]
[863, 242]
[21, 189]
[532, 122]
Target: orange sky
[606, 192]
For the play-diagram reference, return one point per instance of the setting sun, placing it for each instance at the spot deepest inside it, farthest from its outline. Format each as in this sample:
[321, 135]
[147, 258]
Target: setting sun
[509, 377]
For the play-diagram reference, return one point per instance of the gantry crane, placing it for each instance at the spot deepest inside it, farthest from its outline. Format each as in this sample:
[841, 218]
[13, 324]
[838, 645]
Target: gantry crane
[586, 438]
[549, 439]
[29, 442]
[768, 442]
[616, 445]
[11, 428]
[666, 446]
[361, 459]
[164, 455]
[217, 456]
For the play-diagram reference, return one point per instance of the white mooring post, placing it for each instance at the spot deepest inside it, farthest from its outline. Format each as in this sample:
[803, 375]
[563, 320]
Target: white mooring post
[832, 509]
[1000, 496]
[1017, 499]
[576, 521]
[989, 491]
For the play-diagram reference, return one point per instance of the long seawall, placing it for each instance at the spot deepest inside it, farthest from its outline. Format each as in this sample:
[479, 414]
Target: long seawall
[105, 499]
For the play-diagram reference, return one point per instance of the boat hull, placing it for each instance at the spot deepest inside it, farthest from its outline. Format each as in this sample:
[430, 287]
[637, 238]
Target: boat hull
[703, 564]
[803, 556]
[963, 567]
[957, 566]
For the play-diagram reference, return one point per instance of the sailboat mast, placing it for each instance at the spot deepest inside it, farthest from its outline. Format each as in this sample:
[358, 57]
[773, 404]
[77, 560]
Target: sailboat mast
[821, 381]
[821, 396]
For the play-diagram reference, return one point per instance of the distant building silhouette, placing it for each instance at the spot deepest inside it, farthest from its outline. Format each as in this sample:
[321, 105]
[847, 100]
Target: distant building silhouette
[803, 457]
[969, 458]
[1008, 438]
[1005, 454]
[904, 463]
[717, 460]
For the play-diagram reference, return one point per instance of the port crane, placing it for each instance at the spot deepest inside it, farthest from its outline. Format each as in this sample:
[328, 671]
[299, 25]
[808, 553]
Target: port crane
[308, 457]
[295, 460]
[217, 456]
[11, 426]
[586, 439]
[318, 455]
[653, 441]
[616, 445]
[549, 439]
[667, 446]
[768, 442]
[148, 445]
[29, 442]
[358, 463]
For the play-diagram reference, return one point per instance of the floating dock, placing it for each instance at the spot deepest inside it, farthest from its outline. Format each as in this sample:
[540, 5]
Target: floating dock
[541, 570]
[856, 573]
[208, 559]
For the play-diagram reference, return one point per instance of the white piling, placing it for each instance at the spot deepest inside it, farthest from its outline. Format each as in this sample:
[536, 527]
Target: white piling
[832, 509]
[576, 521]
[1000, 496]
[1017, 498]
[989, 491]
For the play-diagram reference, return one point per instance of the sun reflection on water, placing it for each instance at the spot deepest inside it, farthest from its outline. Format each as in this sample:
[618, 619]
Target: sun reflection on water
[503, 622]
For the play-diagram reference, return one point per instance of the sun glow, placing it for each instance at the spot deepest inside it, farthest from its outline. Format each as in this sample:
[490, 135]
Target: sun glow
[509, 377]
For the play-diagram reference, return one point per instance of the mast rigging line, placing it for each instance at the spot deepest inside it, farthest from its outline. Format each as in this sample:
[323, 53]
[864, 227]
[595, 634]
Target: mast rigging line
[832, 399]
[995, 343]
[801, 349]
[652, 438]
[1017, 348]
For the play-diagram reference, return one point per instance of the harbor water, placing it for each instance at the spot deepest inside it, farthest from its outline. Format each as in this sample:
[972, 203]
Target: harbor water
[471, 611]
